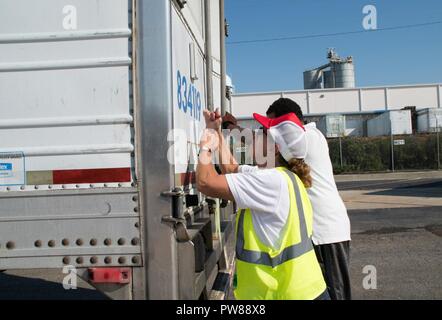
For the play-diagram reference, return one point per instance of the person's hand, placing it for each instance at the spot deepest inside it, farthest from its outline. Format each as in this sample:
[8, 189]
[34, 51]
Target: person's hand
[230, 122]
[213, 120]
[229, 119]
[210, 139]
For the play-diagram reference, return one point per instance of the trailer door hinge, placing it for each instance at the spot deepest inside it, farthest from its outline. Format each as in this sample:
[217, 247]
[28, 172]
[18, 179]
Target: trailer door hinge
[177, 192]
[177, 196]
[182, 3]
[179, 226]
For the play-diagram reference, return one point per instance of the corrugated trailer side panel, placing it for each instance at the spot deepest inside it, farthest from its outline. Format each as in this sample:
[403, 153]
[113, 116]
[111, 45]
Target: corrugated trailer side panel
[67, 194]
[65, 92]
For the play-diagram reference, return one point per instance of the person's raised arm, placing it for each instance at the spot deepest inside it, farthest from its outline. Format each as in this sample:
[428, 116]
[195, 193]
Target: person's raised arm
[207, 179]
[227, 161]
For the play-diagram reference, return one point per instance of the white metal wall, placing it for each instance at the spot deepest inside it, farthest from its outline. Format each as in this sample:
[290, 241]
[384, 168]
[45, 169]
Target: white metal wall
[189, 94]
[64, 83]
[344, 100]
[187, 30]
[396, 122]
[429, 120]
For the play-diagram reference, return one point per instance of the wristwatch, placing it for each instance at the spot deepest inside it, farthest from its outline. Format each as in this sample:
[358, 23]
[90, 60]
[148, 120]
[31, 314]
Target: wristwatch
[205, 148]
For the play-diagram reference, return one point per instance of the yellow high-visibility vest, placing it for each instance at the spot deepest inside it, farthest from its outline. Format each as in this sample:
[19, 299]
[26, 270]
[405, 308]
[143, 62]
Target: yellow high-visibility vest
[291, 272]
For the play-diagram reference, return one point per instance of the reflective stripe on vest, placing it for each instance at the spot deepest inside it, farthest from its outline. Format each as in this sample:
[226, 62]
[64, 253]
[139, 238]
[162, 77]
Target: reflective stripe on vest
[289, 253]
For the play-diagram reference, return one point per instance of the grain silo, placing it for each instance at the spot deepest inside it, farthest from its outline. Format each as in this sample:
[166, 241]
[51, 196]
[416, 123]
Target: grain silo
[338, 73]
[312, 79]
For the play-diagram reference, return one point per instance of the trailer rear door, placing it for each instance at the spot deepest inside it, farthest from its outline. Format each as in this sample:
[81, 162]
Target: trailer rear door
[67, 169]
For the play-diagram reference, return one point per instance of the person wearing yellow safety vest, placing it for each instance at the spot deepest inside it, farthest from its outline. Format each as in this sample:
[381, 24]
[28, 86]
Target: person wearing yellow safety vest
[275, 259]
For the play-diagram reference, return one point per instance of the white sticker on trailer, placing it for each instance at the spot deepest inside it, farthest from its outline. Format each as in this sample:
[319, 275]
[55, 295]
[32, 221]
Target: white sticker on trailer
[12, 169]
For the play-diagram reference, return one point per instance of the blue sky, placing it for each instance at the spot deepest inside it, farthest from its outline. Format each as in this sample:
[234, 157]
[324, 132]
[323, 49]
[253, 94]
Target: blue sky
[406, 56]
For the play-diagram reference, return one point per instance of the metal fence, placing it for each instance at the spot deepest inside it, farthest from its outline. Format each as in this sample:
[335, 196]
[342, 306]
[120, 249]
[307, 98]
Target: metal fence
[386, 153]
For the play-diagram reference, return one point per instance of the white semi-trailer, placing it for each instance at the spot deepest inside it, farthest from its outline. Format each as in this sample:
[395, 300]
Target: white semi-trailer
[89, 93]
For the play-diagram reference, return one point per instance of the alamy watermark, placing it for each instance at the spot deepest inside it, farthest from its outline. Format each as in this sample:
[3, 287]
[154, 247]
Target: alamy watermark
[370, 20]
[370, 281]
[70, 280]
[254, 144]
[70, 21]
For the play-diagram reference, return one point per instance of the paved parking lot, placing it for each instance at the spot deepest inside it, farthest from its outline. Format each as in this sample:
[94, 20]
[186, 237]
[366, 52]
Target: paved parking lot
[397, 228]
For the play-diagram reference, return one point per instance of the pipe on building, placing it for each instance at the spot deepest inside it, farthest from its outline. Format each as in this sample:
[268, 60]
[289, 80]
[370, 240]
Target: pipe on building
[325, 66]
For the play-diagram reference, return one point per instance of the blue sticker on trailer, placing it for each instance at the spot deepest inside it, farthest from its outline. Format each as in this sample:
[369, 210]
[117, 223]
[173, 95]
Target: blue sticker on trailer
[5, 166]
[5, 170]
[12, 169]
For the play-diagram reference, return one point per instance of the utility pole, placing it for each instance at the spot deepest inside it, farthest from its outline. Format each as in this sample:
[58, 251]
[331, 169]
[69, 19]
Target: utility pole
[392, 146]
[438, 143]
[340, 145]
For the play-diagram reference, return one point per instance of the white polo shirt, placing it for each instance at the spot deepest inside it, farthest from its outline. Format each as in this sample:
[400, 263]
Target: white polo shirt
[265, 193]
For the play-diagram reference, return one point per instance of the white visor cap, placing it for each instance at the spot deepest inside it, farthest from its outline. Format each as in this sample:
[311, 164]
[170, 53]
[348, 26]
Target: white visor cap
[288, 133]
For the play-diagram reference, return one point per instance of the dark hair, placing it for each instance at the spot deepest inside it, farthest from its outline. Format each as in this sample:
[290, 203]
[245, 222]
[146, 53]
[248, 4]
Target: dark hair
[284, 106]
[300, 168]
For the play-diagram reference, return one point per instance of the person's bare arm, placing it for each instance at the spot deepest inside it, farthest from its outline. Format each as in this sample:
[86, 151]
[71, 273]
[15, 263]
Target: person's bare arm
[208, 181]
[227, 161]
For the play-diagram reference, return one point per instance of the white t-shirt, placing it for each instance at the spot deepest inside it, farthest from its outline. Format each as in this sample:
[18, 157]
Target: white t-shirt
[265, 193]
[330, 220]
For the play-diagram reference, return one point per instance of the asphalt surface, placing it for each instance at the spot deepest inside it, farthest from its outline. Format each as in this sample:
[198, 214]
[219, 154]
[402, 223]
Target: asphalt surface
[43, 285]
[396, 227]
[422, 186]
[403, 243]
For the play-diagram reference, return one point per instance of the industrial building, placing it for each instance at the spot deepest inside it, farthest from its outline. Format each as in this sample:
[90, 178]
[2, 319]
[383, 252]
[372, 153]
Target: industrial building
[357, 104]
[340, 109]
[331, 99]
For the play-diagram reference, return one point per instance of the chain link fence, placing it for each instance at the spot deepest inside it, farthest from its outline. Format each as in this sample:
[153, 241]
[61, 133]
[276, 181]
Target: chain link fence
[386, 153]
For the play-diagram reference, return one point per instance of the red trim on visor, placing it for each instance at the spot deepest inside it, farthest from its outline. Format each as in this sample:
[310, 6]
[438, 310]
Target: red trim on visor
[268, 123]
[91, 176]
